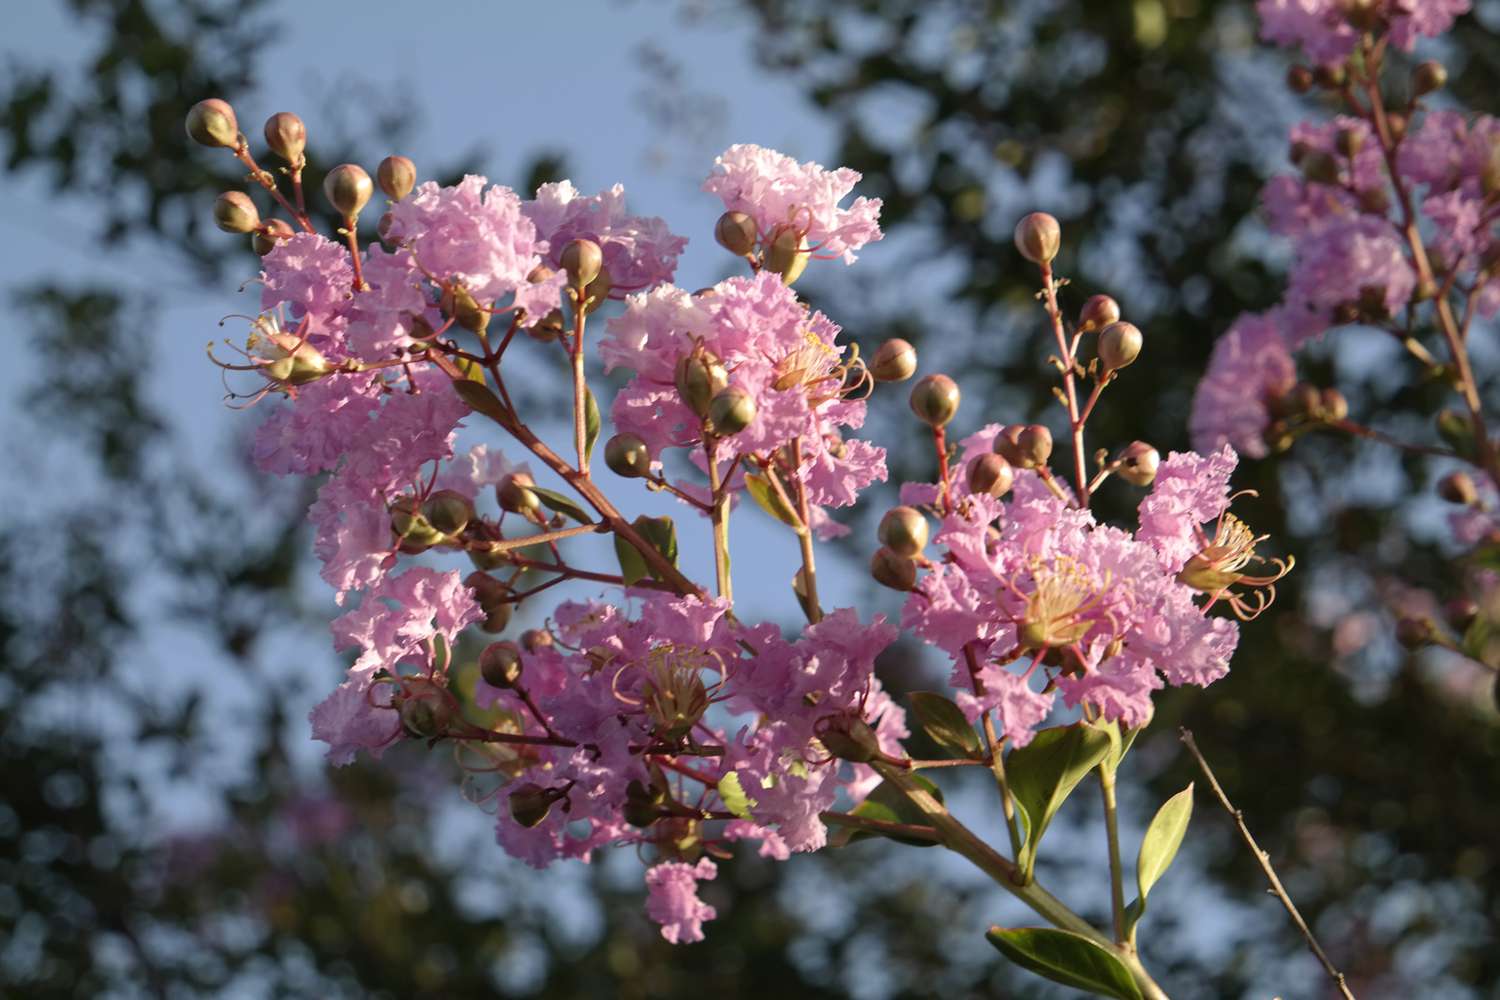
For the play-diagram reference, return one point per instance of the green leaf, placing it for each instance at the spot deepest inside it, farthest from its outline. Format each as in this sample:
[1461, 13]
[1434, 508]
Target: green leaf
[733, 794]
[945, 724]
[1480, 642]
[1163, 838]
[481, 400]
[1044, 773]
[661, 532]
[562, 505]
[1120, 742]
[590, 422]
[769, 501]
[633, 568]
[1067, 958]
[889, 804]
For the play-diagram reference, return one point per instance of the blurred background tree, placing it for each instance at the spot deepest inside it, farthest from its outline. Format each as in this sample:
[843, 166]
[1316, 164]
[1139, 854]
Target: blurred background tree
[1146, 127]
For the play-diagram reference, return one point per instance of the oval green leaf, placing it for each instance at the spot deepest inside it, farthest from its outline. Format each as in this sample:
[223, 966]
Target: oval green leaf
[1044, 773]
[590, 422]
[1163, 838]
[945, 724]
[557, 502]
[889, 804]
[1067, 958]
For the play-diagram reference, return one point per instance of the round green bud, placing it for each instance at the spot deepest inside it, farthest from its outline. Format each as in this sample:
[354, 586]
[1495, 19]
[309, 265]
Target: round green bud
[1461, 612]
[269, 235]
[1332, 405]
[848, 737]
[597, 292]
[286, 135]
[424, 716]
[903, 530]
[457, 303]
[500, 664]
[396, 175]
[990, 474]
[935, 400]
[530, 803]
[411, 527]
[1414, 633]
[731, 411]
[1363, 15]
[890, 569]
[1034, 446]
[1458, 487]
[787, 255]
[1138, 464]
[1038, 237]
[1330, 77]
[515, 495]
[1097, 313]
[448, 511]
[699, 378]
[582, 259]
[348, 188]
[736, 233]
[534, 639]
[627, 455]
[894, 361]
[1299, 79]
[1397, 123]
[1006, 443]
[1319, 167]
[1119, 345]
[1349, 141]
[234, 212]
[212, 123]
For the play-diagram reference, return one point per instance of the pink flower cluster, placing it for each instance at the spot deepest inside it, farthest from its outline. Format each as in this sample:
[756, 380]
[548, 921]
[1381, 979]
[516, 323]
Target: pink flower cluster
[1322, 28]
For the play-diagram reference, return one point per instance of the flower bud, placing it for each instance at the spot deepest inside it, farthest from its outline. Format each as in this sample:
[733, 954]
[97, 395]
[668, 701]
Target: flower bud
[1397, 123]
[1456, 431]
[1332, 405]
[411, 526]
[1489, 177]
[1349, 141]
[530, 803]
[1038, 237]
[1097, 313]
[500, 664]
[1119, 345]
[1414, 633]
[269, 235]
[286, 135]
[582, 259]
[1034, 446]
[515, 495]
[699, 378]
[1461, 613]
[1138, 464]
[894, 361]
[892, 570]
[348, 188]
[424, 715]
[449, 511]
[787, 255]
[596, 293]
[736, 233]
[493, 598]
[643, 806]
[212, 123]
[935, 400]
[627, 455]
[1428, 77]
[903, 530]
[534, 639]
[458, 304]
[1299, 79]
[990, 474]
[234, 212]
[731, 411]
[1006, 443]
[1319, 167]
[1363, 15]
[396, 175]
[848, 737]
[1458, 487]
[1330, 77]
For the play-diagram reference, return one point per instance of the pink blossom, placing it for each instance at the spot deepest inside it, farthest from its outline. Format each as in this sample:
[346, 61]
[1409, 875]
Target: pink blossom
[1345, 263]
[1249, 369]
[673, 902]
[308, 272]
[777, 192]
[1322, 30]
[639, 252]
[1190, 489]
[1297, 206]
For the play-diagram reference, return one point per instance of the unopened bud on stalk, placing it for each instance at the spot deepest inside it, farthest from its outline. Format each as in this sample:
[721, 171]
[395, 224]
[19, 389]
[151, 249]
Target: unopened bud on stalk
[1331, 77]
[1332, 405]
[212, 123]
[894, 361]
[788, 255]
[397, 175]
[500, 664]
[731, 411]
[273, 232]
[425, 715]
[1138, 464]
[990, 474]
[286, 135]
[848, 737]
[1097, 313]
[1006, 443]
[1038, 237]
[348, 189]
[534, 639]
[582, 259]
[1458, 487]
[597, 291]
[1119, 345]
[449, 511]
[1034, 446]
[699, 378]
[893, 570]
[1428, 77]
[1350, 140]
[626, 455]
[1299, 79]
[903, 530]
[493, 598]
[458, 304]
[1456, 431]
[515, 495]
[1489, 178]
[530, 803]
[643, 806]
[1397, 123]
[1414, 633]
[736, 233]
[234, 212]
[1461, 612]
[1319, 167]
[935, 400]
[1363, 15]
[411, 526]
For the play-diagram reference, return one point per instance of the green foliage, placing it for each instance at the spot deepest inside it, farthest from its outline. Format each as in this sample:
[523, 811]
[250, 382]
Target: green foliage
[944, 723]
[1044, 772]
[1067, 958]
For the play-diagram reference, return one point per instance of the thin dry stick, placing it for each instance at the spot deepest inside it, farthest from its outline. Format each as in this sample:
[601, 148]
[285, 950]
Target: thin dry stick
[1265, 864]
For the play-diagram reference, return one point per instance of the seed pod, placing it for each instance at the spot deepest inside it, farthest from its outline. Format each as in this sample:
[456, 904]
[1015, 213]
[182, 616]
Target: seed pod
[1119, 345]
[286, 135]
[396, 175]
[731, 411]
[1097, 313]
[1458, 487]
[736, 233]
[212, 123]
[424, 716]
[411, 527]
[1038, 237]
[582, 259]
[627, 455]
[787, 255]
[515, 495]
[892, 570]
[1138, 464]
[1034, 446]
[348, 188]
[500, 664]
[234, 212]
[699, 378]
[990, 474]
[1006, 443]
[448, 511]
[274, 232]
[935, 400]
[903, 530]
[894, 361]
